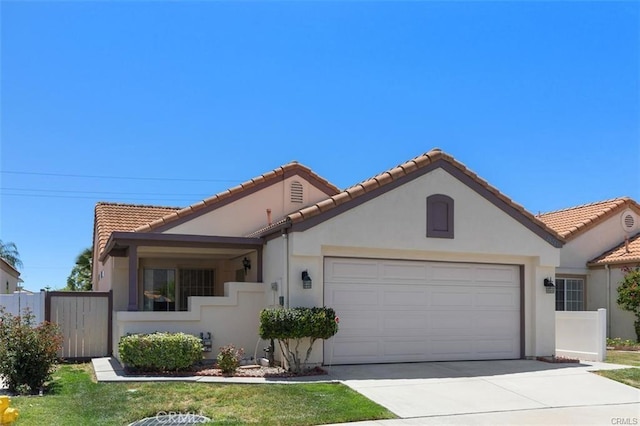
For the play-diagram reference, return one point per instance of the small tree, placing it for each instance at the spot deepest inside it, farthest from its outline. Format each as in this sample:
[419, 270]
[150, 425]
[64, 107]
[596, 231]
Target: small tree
[28, 352]
[629, 295]
[291, 326]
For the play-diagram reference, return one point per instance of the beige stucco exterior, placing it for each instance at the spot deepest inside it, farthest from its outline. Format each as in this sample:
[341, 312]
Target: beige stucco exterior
[393, 226]
[9, 278]
[601, 281]
[249, 213]
[601, 284]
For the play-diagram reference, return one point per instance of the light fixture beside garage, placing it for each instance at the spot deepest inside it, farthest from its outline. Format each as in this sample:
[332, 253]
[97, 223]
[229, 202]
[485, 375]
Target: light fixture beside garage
[306, 280]
[549, 286]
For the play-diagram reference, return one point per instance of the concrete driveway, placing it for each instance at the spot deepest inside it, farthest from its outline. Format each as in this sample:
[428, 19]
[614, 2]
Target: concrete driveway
[494, 392]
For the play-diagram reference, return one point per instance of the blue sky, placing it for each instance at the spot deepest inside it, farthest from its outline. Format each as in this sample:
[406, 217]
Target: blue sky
[542, 99]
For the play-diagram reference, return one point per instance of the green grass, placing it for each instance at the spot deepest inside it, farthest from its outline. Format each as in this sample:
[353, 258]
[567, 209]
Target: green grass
[75, 399]
[625, 358]
[628, 376]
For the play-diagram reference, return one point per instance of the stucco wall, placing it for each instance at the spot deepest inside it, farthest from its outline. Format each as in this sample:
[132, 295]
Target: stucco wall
[393, 226]
[591, 244]
[248, 214]
[232, 319]
[8, 276]
[619, 322]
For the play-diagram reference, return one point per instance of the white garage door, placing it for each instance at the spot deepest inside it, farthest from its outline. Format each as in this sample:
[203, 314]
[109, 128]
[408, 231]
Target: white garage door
[400, 311]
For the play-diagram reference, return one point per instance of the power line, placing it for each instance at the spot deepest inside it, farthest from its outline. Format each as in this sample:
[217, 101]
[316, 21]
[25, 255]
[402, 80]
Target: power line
[100, 192]
[14, 172]
[95, 197]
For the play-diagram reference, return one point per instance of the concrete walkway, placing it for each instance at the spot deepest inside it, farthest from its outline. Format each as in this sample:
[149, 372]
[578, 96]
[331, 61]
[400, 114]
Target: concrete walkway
[467, 392]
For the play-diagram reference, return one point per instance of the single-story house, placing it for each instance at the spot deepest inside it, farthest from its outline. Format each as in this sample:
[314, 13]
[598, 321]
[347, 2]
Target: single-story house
[602, 239]
[9, 277]
[423, 262]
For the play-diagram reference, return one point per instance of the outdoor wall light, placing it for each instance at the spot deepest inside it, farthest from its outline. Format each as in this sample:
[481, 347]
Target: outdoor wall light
[306, 280]
[549, 286]
[246, 263]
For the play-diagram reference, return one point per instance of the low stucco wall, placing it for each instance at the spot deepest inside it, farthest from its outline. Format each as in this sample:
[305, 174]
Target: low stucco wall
[582, 334]
[232, 319]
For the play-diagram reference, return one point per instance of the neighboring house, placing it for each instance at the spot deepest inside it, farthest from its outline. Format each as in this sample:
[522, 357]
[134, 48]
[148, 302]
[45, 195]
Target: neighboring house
[601, 239]
[9, 277]
[423, 262]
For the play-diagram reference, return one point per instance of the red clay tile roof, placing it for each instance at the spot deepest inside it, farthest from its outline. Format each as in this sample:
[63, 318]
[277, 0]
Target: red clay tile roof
[211, 202]
[111, 217]
[620, 254]
[574, 221]
[391, 176]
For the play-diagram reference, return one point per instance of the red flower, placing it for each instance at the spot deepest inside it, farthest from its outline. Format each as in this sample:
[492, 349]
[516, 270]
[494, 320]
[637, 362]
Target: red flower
[337, 320]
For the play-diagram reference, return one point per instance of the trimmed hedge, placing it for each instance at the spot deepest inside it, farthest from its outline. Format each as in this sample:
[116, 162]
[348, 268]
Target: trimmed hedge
[291, 325]
[160, 351]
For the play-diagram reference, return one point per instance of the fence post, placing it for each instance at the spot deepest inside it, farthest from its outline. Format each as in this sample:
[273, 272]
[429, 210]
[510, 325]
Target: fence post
[602, 334]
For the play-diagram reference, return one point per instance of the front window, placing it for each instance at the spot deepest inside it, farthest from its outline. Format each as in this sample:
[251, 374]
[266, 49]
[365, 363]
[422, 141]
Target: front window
[195, 282]
[569, 294]
[159, 290]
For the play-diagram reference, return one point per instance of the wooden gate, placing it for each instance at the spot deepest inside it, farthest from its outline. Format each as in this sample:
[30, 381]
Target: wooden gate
[84, 317]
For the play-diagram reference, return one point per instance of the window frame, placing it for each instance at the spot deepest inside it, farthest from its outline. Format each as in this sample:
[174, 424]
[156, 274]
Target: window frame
[433, 202]
[563, 290]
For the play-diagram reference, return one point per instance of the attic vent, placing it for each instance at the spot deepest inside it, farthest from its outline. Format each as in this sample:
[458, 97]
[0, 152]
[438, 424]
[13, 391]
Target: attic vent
[628, 222]
[296, 192]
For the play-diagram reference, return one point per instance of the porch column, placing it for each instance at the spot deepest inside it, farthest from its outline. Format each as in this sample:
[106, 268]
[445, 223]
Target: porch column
[133, 278]
[259, 275]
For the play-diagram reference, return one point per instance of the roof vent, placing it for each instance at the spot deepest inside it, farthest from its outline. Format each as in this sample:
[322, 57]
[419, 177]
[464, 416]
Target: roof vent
[628, 221]
[296, 192]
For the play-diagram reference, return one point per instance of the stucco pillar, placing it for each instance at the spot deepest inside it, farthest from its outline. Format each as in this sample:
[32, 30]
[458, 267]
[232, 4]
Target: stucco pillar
[133, 278]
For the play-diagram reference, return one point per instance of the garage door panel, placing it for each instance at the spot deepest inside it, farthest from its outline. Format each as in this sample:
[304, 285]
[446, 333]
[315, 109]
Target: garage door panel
[355, 348]
[499, 300]
[404, 297]
[409, 348]
[422, 311]
[395, 272]
[354, 271]
[446, 299]
[451, 272]
[353, 297]
[407, 323]
[495, 275]
[450, 347]
[494, 348]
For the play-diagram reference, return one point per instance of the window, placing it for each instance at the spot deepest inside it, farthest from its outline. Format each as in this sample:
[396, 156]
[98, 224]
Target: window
[439, 216]
[570, 294]
[195, 282]
[159, 290]
[297, 194]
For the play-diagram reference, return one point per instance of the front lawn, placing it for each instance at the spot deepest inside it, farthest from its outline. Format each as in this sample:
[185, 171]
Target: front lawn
[628, 376]
[75, 399]
[626, 358]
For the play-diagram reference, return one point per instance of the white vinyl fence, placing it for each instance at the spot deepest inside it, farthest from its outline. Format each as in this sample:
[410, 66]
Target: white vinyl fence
[16, 303]
[582, 334]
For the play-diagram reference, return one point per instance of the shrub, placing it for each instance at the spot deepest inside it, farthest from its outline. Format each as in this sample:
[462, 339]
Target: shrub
[160, 351]
[28, 352]
[629, 295]
[619, 343]
[229, 359]
[292, 325]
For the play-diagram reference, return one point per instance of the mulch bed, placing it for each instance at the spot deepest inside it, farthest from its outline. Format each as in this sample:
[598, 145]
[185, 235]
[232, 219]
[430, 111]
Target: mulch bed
[558, 360]
[243, 371]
